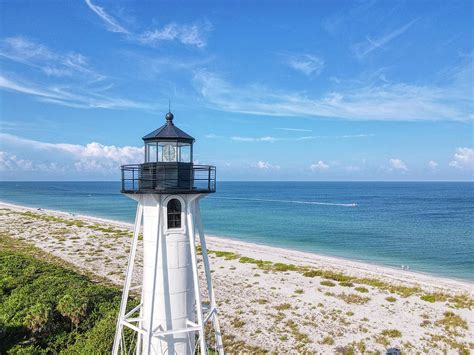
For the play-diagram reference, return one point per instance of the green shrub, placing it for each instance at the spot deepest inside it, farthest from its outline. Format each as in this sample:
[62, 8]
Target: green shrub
[46, 308]
[452, 320]
[346, 284]
[283, 306]
[312, 273]
[392, 333]
[37, 317]
[327, 283]
[285, 267]
[353, 298]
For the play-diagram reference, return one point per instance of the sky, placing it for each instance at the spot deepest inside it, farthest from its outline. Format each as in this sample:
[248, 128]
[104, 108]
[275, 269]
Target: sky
[271, 90]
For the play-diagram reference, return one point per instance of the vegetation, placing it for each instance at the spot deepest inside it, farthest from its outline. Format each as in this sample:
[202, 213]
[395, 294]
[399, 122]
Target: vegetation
[451, 320]
[456, 301]
[392, 333]
[346, 284]
[327, 283]
[434, 297]
[361, 289]
[283, 306]
[328, 340]
[353, 298]
[391, 299]
[47, 308]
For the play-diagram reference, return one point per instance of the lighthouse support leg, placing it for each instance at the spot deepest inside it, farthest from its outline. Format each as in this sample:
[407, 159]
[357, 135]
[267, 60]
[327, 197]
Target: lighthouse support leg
[197, 293]
[159, 240]
[128, 280]
[213, 306]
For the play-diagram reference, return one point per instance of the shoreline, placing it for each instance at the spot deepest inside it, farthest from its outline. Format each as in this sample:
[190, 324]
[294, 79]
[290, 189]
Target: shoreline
[297, 257]
[274, 299]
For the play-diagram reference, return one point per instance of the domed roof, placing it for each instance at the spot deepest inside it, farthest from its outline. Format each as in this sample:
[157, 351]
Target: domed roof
[169, 132]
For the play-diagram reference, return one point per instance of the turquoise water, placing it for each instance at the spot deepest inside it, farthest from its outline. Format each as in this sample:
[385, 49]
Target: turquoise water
[428, 226]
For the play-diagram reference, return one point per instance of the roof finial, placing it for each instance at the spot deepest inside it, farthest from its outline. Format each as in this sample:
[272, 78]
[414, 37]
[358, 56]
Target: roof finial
[169, 116]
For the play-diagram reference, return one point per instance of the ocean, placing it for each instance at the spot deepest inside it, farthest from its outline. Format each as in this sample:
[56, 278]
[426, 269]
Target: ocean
[427, 226]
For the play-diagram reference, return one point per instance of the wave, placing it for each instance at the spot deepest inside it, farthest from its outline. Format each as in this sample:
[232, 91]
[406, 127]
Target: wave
[287, 201]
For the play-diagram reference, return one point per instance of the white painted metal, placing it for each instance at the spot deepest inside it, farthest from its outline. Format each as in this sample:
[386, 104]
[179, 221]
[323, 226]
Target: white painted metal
[197, 294]
[170, 313]
[128, 278]
[213, 306]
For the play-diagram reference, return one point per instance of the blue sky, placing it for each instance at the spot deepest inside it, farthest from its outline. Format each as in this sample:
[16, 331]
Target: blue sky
[322, 90]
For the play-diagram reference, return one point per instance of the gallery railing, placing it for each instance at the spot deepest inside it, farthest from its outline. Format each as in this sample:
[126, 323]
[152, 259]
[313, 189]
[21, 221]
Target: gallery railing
[168, 178]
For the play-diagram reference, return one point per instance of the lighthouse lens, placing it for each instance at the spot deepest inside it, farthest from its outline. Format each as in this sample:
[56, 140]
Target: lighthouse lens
[169, 153]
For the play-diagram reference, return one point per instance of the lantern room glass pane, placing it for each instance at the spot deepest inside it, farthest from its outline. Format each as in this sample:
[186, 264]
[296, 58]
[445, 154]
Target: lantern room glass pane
[185, 153]
[150, 154]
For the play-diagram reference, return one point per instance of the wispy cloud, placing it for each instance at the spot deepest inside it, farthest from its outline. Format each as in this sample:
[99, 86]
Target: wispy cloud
[369, 101]
[67, 78]
[308, 64]
[36, 55]
[194, 35]
[111, 23]
[294, 129]
[255, 139]
[271, 139]
[71, 96]
[361, 49]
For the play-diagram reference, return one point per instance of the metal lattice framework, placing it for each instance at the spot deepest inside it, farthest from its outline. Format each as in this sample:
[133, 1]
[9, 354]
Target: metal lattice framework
[131, 334]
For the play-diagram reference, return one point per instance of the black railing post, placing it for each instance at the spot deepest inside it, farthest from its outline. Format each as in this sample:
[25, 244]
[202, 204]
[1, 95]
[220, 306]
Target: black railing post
[209, 178]
[133, 179]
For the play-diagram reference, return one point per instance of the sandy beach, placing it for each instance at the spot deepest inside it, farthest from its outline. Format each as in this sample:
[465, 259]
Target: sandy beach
[281, 300]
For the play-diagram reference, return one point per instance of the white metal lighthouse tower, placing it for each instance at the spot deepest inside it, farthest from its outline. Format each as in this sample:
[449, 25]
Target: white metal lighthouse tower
[168, 317]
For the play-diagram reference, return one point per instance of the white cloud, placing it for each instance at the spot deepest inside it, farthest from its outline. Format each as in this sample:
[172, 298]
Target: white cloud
[432, 164]
[10, 162]
[307, 64]
[397, 164]
[463, 158]
[265, 165]
[72, 65]
[94, 157]
[192, 35]
[363, 48]
[270, 139]
[111, 23]
[70, 81]
[294, 129]
[319, 166]
[255, 139]
[386, 101]
[72, 96]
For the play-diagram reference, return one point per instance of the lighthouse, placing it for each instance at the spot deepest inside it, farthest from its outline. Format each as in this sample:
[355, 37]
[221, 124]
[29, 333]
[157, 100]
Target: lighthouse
[168, 315]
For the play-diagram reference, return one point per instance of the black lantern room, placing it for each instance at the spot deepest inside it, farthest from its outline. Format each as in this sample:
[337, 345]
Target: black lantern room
[168, 144]
[168, 166]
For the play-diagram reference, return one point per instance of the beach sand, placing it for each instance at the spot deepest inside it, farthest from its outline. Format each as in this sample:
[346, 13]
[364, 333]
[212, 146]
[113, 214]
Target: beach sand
[280, 300]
